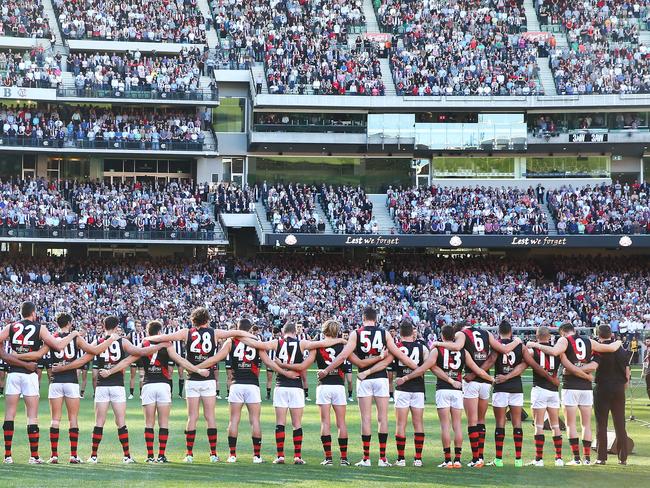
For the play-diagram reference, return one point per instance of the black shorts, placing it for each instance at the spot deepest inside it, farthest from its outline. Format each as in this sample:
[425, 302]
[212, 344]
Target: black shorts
[4, 366]
[85, 367]
[347, 368]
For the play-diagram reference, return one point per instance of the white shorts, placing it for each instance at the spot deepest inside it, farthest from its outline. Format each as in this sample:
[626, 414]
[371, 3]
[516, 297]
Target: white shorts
[449, 399]
[156, 393]
[331, 395]
[375, 387]
[502, 399]
[242, 393]
[577, 398]
[407, 399]
[64, 390]
[197, 389]
[476, 389]
[114, 394]
[543, 398]
[25, 384]
[288, 397]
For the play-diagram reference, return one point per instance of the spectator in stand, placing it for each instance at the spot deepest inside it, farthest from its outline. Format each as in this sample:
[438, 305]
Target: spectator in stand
[24, 18]
[602, 209]
[30, 69]
[176, 21]
[292, 208]
[349, 209]
[229, 198]
[466, 210]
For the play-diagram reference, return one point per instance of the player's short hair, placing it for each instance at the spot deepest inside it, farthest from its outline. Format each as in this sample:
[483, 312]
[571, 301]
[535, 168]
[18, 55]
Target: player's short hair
[406, 328]
[331, 328]
[566, 328]
[63, 319]
[244, 324]
[543, 332]
[200, 316]
[604, 331]
[447, 332]
[276, 330]
[26, 309]
[289, 328]
[370, 314]
[505, 328]
[154, 327]
[111, 322]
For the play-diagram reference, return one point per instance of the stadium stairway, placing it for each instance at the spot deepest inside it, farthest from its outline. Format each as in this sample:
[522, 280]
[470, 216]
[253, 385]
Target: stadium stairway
[644, 37]
[267, 228]
[532, 22]
[552, 228]
[58, 46]
[212, 40]
[546, 77]
[387, 76]
[322, 215]
[258, 74]
[380, 213]
[371, 17]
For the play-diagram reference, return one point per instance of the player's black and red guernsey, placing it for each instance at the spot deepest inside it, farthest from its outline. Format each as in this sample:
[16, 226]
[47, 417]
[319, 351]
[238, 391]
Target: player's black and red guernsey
[477, 344]
[64, 357]
[289, 352]
[505, 364]
[415, 350]
[326, 356]
[201, 344]
[452, 363]
[156, 366]
[578, 352]
[371, 341]
[24, 337]
[109, 358]
[244, 363]
[550, 364]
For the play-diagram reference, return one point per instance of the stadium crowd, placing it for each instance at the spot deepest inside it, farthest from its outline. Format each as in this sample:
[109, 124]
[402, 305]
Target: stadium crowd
[39, 204]
[292, 207]
[34, 68]
[233, 199]
[349, 209]
[87, 125]
[273, 289]
[137, 71]
[461, 48]
[24, 18]
[605, 209]
[177, 21]
[466, 210]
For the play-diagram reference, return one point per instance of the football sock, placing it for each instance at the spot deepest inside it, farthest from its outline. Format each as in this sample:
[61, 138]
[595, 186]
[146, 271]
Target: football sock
[343, 447]
[327, 445]
[8, 428]
[190, 436]
[148, 441]
[481, 439]
[365, 441]
[418, 439]
[279, 439]
[232, 445]
[163, 435]
[54, 441]
[518, 437]
[383, 440]
[458, 451]
[123, 434]
[73, 433]
[473, 434]
[98, 433]
[400, 443]
[499, 436]
[586, 450]
[33, 434]
[557, 443]
[575, 448]
[297, 442]
[257, 446]
[212, 440]
[447, 451]
[539, 447]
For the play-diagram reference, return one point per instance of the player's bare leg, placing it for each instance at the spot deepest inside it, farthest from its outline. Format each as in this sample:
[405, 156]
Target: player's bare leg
[382, 423]
[483, 405]
[56, 410]
[499, 435]
[517, 433]
[119, 411]
[391, 385]
[417, 417]
[585, 420]
[190, 429]
[269, 383]
[326, 433]
[134, 371]
[365, 409]
[280, 427]
[457, 425]
[84, 381]
[149, 424]
[296, 423]
[164, 410]
[539, 415]
[216, 379]
[31, 409]
[401, 418]
[445, 436]
[254, 415]
[342, 426]
[571, 419]
[101, 409]
[11, 406]
[305, 385]
[233, 429]
[181, 381]
[208, 414]
[349, 383]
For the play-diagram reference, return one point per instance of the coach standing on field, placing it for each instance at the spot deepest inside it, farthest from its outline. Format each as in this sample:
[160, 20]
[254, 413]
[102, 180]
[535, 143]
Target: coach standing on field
[612, 378]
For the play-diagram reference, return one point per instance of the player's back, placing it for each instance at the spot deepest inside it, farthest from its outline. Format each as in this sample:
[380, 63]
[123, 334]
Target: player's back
[416, 351]
[289, 352]
[326, 356]
[505, 364]
[371, 341]
[109, 358]
[201, 344]
[24, 337]
[64, 357]
[578, 352]
[244, 363]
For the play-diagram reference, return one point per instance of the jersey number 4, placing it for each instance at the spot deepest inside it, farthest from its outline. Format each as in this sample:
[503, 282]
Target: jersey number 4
[242, 351]
[368, 344]
[284, 355]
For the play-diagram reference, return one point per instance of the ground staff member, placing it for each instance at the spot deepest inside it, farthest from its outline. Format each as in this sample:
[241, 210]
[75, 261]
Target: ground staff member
[612, 378]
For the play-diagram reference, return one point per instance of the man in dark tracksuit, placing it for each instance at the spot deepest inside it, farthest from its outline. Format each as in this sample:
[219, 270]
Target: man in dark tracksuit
[612, 378]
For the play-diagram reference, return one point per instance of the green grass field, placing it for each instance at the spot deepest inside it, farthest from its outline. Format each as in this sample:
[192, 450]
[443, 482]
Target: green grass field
[110, 471]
